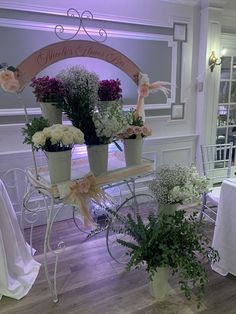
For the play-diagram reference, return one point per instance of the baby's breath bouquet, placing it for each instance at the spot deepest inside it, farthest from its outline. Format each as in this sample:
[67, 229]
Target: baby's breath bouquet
[80, 99]
[178, 184]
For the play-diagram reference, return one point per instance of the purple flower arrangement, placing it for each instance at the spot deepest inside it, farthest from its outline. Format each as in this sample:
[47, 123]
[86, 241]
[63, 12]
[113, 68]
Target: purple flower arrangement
[109, 90]
[47, 89]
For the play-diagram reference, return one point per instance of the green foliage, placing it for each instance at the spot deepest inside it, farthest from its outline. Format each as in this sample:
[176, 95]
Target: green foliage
[36, 125]
[172, 241]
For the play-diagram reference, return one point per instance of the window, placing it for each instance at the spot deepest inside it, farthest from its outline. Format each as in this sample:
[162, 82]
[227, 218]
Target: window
[226, 114]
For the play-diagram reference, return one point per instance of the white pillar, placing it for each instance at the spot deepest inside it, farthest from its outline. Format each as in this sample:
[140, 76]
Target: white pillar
[207, 81]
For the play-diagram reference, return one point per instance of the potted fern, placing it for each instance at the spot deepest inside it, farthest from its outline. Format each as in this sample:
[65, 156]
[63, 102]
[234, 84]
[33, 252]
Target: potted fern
[166, 244]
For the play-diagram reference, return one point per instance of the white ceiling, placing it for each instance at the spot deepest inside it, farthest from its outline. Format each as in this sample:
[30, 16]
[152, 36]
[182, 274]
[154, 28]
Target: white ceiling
[62, 5]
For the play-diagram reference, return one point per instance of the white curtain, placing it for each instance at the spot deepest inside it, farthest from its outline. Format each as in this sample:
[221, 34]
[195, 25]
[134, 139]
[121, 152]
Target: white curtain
[18, 269]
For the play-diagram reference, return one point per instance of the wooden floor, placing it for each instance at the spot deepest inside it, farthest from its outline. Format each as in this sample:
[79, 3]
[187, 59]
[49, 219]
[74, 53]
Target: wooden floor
[90, 282]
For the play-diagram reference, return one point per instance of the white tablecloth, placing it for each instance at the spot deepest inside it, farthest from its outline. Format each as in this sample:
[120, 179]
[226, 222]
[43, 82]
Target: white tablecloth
[224, 239]
[18, 269]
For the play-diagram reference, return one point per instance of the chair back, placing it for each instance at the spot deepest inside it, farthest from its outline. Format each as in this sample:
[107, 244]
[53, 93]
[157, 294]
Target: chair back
[217, 162]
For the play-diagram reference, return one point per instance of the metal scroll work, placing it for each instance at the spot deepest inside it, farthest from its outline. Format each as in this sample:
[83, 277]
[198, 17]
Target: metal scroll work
[60, 29]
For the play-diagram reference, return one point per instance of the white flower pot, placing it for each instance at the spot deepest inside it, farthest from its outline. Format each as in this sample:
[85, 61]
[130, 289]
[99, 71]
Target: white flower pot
[133, 151]
[51, 112]
[159, 286]
[98, 158]
[59, 166]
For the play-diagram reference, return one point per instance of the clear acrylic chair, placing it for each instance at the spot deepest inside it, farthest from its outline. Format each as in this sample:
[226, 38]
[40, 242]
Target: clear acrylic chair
[217, 162]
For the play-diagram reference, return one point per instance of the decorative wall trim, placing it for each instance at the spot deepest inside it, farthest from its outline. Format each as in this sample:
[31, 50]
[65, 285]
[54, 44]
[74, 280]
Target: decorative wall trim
[19, 112]
[49, 27]
[171, 139]
[187, 150]
[184, 2]
[62, 11]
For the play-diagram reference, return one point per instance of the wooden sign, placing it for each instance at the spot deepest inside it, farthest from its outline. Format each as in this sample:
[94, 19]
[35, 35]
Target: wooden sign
[53, 53]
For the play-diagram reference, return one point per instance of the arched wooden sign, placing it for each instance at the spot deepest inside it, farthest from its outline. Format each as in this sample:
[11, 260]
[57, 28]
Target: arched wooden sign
[53, 53]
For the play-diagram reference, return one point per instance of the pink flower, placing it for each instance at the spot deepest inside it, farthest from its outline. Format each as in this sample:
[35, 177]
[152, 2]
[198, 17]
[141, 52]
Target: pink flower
[6, 76]
[84, 186]
[11, 85]
[130, 130]
[137, 130]
[146, 131]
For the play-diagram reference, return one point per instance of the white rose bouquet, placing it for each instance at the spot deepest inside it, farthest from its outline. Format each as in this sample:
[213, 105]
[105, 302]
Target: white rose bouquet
[56, 138]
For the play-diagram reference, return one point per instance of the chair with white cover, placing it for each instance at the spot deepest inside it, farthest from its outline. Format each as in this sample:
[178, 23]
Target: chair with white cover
[217, 162]
[18, 269]
[17, 184]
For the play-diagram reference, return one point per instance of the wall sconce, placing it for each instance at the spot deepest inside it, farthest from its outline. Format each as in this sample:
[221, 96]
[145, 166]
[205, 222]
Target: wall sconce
[212, 62]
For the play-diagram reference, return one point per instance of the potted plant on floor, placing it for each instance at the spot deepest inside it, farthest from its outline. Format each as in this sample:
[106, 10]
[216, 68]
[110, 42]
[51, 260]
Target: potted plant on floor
[56, 141]
[174, 185]
[168, 241]
[49, 92]
[168, 244]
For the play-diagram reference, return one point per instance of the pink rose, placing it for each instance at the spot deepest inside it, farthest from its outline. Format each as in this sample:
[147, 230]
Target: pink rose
[10, 86]
[130, 131]
[137, 130]
[146, 131]
[6, 76]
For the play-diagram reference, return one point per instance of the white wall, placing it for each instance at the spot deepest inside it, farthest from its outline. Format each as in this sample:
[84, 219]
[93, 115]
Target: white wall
[173, 141]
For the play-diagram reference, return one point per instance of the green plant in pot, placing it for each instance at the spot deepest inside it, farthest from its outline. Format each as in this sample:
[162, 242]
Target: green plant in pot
[168, 243]
[57, 142]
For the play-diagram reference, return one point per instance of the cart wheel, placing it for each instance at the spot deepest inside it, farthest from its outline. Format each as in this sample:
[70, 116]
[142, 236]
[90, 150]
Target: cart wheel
[142, 204]
[99, 215]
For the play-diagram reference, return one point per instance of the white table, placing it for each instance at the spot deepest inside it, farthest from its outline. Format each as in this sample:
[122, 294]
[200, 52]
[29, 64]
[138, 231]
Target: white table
[18, 269]
[224, 239]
